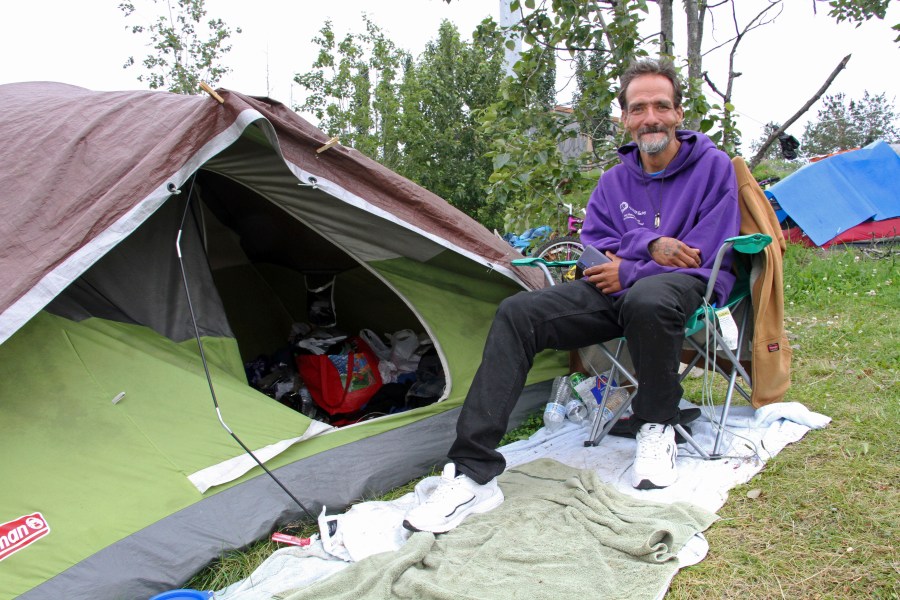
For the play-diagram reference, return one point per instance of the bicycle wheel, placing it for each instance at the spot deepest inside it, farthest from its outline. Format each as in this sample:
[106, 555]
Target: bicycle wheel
[562, 248]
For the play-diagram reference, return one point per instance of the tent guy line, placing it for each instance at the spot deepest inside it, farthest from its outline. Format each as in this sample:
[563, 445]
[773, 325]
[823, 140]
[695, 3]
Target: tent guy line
[212, 390]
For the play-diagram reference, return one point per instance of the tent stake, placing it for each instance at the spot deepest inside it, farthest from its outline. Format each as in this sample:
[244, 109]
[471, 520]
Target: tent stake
[328, 145]
[212, 92]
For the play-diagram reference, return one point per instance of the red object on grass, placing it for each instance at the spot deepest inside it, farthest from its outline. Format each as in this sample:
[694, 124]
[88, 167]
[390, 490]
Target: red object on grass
[283, 538]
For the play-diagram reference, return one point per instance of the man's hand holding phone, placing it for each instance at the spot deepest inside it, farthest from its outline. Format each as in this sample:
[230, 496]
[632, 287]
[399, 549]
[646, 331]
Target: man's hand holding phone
[602, 270]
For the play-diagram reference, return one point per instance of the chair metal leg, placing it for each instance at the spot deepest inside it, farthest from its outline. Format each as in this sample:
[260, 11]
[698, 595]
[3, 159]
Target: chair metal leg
[597, 424]
[599, 429]
[694, 443]
[732, 384]
[728, 395]
[731, 356]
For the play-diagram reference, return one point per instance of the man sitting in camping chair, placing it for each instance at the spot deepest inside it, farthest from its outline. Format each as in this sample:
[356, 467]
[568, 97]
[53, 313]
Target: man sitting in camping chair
[660, 216]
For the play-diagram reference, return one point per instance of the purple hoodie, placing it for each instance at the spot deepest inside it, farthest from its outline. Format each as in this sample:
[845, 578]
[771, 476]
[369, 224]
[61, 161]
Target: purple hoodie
[697, 200]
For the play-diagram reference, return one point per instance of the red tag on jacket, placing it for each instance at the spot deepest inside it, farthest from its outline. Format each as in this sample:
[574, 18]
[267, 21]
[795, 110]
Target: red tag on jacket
[774, 347]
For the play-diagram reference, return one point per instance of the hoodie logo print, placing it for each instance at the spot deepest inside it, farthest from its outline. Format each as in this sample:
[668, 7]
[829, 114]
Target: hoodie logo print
[632, 213]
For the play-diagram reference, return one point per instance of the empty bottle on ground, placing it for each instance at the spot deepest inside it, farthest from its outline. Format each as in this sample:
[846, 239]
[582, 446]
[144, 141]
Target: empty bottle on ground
[555, 411]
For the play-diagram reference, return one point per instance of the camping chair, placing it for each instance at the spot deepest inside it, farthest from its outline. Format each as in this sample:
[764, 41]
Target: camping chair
[701, 336]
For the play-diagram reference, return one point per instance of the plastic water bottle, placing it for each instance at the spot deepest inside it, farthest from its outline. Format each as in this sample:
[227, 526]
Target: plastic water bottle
[576, 409]
[584, 389]
[555, 412]
[616, 398]
[591, 389]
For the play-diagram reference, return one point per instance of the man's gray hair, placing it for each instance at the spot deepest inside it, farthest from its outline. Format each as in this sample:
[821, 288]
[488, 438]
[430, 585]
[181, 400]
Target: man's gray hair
[650, 66]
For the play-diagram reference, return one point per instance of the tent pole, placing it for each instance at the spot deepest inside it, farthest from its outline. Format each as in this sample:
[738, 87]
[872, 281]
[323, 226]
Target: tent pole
[212, 391]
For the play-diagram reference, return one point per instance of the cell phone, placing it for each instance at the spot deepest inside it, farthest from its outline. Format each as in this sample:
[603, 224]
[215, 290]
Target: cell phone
[590, 257]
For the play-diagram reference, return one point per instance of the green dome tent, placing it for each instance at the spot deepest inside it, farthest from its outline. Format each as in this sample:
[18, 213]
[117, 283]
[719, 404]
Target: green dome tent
[119, 479]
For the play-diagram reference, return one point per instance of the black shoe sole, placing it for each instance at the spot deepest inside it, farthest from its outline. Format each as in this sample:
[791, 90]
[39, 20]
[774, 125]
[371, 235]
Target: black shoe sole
[408, 526]
[646, 484]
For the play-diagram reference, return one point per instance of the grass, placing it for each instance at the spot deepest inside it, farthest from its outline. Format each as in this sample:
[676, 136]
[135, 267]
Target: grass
[825, 522]
[235, 566]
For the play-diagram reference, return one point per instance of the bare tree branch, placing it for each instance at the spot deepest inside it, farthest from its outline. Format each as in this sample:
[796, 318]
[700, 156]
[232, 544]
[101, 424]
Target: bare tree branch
[774, 135]
[713, 86]
[759, 20]
[750, 26]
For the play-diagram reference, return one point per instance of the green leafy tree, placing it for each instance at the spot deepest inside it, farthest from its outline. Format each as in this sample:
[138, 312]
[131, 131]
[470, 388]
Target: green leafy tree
[443, 150]
[594, 122]
[387, 61]
[531, 175]
[602, 36]
[860, 11]
[353, 90]
[842, 124]
[182, 57]
[416, 117]
[545, 90]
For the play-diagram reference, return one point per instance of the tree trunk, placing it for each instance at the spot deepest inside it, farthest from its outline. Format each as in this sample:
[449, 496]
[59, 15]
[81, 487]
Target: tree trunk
[695, 10]
[666, 29]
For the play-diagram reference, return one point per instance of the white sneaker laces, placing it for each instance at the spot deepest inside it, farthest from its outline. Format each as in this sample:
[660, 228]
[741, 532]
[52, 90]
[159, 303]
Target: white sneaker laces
[653, 444]
[447, 488]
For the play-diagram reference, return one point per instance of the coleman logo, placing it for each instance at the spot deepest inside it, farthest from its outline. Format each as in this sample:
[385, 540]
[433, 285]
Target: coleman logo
[15, 535]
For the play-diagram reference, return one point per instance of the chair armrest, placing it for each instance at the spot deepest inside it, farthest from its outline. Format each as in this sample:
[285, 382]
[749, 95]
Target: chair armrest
[750, 244]
[534, 261]
[745, 244]
[544, 265]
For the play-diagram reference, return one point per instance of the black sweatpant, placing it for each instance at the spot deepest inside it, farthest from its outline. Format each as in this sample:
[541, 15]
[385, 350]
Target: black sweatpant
[650, 315]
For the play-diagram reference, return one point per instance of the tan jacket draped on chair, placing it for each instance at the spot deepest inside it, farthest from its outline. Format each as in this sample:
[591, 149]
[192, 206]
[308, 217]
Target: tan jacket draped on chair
[771, 352]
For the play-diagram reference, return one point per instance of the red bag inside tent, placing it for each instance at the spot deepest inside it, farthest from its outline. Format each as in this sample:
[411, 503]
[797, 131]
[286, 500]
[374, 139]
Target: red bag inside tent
[341, 383]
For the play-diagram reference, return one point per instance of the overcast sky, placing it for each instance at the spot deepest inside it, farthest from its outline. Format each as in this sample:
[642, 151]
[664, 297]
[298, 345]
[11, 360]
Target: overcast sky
[85, 43]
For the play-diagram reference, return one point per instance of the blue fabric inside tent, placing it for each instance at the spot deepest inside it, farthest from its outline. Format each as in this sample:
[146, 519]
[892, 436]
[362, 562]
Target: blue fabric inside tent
[828, 197]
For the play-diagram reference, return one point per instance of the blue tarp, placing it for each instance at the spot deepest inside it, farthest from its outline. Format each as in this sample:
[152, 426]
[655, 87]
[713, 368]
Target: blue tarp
[828, 197]
[523, 242]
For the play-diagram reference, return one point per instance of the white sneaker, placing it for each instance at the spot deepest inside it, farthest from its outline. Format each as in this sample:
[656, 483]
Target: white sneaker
[455, 498]
[654, 461]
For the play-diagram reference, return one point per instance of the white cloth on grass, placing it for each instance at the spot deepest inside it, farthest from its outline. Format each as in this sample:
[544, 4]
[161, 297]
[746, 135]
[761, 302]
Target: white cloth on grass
[753, 437]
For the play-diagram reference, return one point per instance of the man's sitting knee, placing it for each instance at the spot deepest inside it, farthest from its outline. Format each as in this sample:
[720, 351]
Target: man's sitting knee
[514, 304]
[638, 303]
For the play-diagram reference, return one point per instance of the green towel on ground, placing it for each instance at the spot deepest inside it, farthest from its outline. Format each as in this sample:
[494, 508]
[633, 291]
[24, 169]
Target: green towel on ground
[561, 533]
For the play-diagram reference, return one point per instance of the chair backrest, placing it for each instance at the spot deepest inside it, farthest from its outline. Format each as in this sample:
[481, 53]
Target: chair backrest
[770, 350]
[744, 246]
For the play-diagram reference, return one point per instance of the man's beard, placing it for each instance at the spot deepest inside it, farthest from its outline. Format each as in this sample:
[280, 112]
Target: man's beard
[653, 146]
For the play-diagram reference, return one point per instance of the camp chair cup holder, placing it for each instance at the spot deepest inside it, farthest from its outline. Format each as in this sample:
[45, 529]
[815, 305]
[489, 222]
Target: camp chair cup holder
[704, 320]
